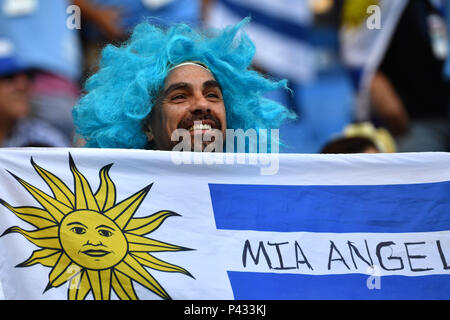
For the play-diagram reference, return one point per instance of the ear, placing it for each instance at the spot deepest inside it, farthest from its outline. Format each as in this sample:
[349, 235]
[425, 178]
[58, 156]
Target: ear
[148, 132]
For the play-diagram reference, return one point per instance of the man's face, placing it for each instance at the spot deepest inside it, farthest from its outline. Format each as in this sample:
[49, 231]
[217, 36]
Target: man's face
[14, 96]
[190, 94]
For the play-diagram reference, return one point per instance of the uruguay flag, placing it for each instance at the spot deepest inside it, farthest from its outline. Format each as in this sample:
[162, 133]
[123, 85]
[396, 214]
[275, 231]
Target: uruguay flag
[282, 31]
[132, 224]
[363, 44]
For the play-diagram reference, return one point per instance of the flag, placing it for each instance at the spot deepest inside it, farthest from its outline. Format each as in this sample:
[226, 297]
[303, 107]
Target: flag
[136, 224]
[364, 43]
[283, 33]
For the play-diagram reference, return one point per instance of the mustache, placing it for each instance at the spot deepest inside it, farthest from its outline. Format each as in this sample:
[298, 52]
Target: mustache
[189, 121]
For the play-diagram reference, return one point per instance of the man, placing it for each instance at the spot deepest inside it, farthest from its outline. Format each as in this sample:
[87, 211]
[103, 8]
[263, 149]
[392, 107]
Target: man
[191, 100]
[163, 80]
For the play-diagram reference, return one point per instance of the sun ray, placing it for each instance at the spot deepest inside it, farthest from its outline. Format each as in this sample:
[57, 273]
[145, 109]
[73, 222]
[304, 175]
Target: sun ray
[141, 244]
[62, 271]
[150, 261]
[106, 193]
[96, 284]
[122, 212]
[44, 238]
[46, 257]
[79, 286]
[135, 271]
[142, 226]
[55, 208]
[61, 192]
[105, 281]
[37, 217]
[123, 286]
[84, 198]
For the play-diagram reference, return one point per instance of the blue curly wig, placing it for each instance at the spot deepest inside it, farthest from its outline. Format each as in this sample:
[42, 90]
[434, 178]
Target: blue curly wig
[122, 93]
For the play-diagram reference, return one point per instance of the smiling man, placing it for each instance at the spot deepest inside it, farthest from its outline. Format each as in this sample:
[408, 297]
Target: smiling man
[166, 86]
[192, 104]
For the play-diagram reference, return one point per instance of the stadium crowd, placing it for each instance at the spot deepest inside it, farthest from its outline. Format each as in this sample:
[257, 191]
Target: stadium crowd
[349, 78]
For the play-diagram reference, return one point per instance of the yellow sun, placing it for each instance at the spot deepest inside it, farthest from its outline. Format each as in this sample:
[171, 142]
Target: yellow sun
[89, 240]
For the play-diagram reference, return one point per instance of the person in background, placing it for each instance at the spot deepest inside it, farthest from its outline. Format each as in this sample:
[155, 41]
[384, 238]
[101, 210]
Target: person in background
[410, 94]
[350, 145]
[17, 129]
[396, 55]
[39, 32]
[361, 137]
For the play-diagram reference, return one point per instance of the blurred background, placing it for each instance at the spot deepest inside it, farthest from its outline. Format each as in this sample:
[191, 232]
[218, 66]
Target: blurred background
[366, 75]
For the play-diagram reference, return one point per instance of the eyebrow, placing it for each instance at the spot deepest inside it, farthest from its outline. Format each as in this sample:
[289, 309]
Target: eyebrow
[211, 84]
[184, 85]
[104, 226]
[176, 86]
[72, 223]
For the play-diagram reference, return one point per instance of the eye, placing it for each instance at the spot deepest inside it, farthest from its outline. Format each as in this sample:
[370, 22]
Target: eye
[212, 95]
[78, 230]
[178, 97]
[105, 233]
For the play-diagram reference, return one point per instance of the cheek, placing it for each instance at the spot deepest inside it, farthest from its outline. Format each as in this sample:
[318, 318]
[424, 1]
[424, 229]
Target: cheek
[173, 116]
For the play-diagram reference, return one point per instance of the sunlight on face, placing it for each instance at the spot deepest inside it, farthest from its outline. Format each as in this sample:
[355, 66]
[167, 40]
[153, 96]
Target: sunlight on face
[92, 240]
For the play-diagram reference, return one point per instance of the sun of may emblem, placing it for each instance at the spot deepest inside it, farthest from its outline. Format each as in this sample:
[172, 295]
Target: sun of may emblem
[91, 242]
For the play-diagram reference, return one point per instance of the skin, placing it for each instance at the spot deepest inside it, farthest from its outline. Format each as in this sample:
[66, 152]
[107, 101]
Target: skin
[388, 105]
[14, 102]
[371, 150]
[14, 96]
[190, 93]
[92, 240]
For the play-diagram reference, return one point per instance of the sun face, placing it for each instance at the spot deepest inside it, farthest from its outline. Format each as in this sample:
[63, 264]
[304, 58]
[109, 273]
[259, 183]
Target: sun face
[92, 240]
[92, 243]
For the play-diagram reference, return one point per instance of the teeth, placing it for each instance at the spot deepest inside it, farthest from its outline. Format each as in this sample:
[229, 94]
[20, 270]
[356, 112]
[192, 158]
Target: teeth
[200, 127]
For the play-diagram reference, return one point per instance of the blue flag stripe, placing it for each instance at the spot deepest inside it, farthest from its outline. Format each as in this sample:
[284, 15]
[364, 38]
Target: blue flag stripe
[272, 286]
[421, 207]
[302, 30]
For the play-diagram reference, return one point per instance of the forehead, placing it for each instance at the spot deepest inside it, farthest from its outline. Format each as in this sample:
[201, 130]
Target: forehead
[189, 74]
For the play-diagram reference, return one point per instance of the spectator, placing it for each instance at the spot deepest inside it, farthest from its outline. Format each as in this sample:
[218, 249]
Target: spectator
[16, 128]
[399, 70]
[38, 30]
[361, 137]
[162, 81]
[350, 145]
[417, 111]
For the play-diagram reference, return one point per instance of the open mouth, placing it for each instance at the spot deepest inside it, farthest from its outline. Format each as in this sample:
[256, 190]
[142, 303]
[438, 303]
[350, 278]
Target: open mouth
[96, 253]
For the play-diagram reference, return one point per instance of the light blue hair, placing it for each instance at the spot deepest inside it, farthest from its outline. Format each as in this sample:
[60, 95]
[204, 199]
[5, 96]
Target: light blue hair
[120, 96]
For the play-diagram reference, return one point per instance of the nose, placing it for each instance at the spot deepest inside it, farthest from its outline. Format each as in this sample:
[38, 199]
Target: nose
[200, 104]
